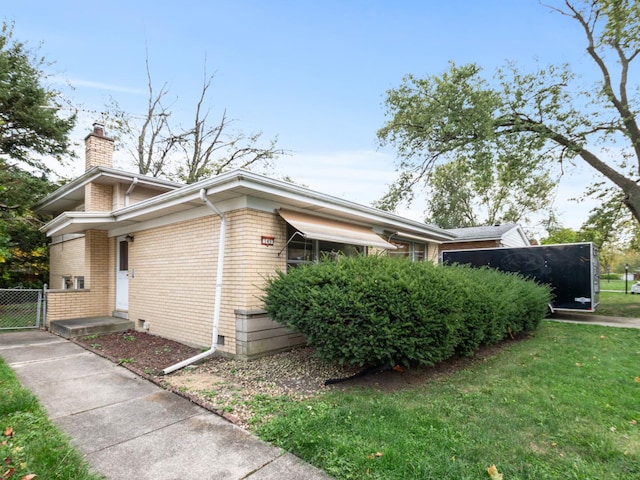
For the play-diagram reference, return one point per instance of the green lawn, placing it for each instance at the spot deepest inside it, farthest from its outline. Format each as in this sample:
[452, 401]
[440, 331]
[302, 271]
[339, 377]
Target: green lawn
[619, 304]
[618, 285]
[560, 405]
[18, 315]
[29, 443]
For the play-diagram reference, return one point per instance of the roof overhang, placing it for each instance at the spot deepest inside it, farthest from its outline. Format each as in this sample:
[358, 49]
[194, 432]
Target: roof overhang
[78, 222]
[224, 189]
[69, 195]
[497, 233]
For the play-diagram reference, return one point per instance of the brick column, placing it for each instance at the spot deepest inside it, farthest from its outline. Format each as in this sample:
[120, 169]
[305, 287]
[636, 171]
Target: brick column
[98, 148]
[98, 152]
[97, 266]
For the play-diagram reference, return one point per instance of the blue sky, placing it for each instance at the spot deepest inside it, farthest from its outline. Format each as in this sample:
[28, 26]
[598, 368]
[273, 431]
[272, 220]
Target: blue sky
[313, 73]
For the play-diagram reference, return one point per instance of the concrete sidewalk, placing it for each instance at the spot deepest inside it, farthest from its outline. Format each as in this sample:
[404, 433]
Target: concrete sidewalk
[593, 319]
[127, 427]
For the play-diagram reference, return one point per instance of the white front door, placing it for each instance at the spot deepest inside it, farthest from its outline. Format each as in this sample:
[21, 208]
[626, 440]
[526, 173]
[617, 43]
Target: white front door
[122, 275]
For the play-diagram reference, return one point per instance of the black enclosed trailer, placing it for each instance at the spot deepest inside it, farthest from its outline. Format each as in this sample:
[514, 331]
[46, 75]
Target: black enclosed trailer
[572, 270]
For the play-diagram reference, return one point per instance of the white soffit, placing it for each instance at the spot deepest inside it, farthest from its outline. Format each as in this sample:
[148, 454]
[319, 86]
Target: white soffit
[318, 228]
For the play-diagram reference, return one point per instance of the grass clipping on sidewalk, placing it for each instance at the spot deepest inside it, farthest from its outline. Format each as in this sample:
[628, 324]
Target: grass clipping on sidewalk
[30, 445]
[562, 404]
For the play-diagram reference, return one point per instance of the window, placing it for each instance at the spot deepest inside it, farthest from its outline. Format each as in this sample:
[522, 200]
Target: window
[403, 250]
[124, 255]
[412, 250]
[333, 249]
[79, 283]
[304, 250]
[66, 282]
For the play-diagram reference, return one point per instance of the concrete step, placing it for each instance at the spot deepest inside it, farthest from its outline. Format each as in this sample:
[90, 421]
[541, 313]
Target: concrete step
[80, 327]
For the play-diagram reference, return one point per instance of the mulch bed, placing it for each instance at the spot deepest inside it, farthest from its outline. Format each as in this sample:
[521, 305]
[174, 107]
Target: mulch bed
[297, 374]
[139, 351]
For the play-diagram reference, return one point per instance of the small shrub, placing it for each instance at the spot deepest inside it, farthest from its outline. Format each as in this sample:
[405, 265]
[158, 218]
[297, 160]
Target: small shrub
[379, 310]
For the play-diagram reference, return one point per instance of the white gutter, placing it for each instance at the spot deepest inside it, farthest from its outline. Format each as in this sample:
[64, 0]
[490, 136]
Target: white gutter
[217, 301]
[131, 187]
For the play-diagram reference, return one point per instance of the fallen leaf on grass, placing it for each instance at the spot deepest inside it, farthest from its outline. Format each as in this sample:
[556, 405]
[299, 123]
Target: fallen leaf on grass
[578, 364]
[638, 379]
[633, 422]
[8, 473]
[374, 455]
[31, 476]
[8, 432]
[493, 473]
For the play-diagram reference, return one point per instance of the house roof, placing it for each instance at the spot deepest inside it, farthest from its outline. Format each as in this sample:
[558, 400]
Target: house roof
[72, 193]
[225, 190]
[492, 232]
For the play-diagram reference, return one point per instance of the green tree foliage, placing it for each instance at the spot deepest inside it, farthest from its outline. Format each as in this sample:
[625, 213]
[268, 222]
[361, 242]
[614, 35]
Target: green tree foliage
[30, 129]
[29, 123]
[23, 248]
[463, 114]
[501, 189]
[387, 311]
[561, 235]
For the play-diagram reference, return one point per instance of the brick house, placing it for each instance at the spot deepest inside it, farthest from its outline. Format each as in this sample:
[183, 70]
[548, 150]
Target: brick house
[507, 235]
[188, 262]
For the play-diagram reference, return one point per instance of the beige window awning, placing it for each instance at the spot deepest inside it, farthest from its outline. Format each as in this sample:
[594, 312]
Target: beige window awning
[318, 228]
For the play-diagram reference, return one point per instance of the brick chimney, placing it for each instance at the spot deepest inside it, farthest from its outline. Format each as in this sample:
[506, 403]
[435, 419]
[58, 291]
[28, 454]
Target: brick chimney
[98, 148]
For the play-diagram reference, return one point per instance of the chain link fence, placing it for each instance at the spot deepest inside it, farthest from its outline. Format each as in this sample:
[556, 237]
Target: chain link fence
[21, 308]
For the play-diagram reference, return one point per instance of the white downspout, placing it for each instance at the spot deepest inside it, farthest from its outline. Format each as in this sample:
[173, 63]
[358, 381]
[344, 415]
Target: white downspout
[217, 301]
[131, 187]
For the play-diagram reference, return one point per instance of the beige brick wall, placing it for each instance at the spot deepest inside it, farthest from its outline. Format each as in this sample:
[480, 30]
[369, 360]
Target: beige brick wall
[172, 280]
[98, 197]
[138, 194]
[65, 304]
[91, 257]
[112, 244]
[250, 261]
[66, 258]
[175, 292]
[97, 265]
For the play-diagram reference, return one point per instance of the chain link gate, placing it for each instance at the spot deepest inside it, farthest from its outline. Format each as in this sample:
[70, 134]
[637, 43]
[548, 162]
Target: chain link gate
[21, 308]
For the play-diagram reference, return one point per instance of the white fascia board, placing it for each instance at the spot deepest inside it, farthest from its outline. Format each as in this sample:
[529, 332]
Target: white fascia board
[164, 220]
[281, 192]
[369, 215]
[65, 222]
[161, 221]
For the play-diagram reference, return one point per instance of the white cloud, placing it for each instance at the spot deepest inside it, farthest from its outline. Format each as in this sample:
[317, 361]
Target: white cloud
[109, 87]
[361, 176]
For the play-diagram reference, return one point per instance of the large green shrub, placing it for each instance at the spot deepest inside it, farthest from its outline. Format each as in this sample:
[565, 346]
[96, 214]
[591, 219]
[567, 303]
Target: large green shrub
[380, 310]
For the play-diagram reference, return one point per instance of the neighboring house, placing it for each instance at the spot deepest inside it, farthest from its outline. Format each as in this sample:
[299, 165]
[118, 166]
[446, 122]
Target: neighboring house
[189, 262]
[507, 235]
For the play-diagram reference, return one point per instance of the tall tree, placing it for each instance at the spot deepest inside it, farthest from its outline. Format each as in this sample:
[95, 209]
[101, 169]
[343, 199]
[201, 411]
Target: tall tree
[489, 190]
[188, 153]
[461, 113]
[31, 128]
[30, 125]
